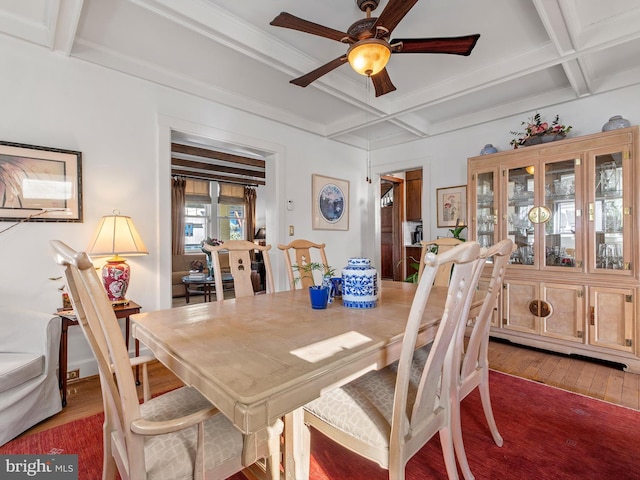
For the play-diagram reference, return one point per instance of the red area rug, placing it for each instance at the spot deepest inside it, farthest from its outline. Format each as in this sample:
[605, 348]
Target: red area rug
[549, 434]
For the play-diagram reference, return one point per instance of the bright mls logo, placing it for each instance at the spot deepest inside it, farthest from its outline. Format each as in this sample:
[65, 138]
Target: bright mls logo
[50, 467]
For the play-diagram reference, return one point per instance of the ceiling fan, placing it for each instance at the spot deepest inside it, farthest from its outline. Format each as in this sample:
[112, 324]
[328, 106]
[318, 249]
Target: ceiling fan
[370, 47]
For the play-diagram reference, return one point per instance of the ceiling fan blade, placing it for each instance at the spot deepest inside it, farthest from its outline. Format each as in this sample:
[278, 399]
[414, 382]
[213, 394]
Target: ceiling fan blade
[453, 45]
[305, 80]
[382, 83]
[286, 20]
[393, 13]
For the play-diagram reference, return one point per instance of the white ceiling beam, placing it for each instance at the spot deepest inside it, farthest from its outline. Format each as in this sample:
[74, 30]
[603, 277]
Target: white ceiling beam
[64, 26]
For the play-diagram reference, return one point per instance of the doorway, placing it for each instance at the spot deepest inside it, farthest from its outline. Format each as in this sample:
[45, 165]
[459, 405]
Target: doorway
[391, 235]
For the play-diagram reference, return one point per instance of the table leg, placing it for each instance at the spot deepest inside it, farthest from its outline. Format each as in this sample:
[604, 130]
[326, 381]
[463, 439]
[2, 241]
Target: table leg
[127, 325]
[186, 293]
[62, 360]
[297, 446]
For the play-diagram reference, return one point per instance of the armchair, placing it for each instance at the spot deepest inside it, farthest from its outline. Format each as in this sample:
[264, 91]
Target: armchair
[29, 390]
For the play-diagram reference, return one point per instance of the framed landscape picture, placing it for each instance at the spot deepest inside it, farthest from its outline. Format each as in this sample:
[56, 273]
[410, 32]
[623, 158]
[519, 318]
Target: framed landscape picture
[330, 203]
[40, 183]
[452, 206]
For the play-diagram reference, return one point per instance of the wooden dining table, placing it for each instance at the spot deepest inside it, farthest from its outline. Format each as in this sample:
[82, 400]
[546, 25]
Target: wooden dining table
[261, 358]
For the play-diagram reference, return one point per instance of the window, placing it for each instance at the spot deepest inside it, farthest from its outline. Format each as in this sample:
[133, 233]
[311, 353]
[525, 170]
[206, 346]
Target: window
[231, 222]
[196, 224]
[203, 218]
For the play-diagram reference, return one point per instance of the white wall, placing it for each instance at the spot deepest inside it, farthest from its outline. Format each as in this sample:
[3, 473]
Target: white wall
[122, 127]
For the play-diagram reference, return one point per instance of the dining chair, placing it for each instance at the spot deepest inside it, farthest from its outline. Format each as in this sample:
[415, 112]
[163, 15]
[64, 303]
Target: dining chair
[473, 366]
[441, 245]
[388, 415]
[302, 250]
[177, 435]
[240, 264]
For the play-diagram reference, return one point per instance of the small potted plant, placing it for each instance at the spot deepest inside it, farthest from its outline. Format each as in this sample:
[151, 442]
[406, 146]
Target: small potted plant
[318, 294]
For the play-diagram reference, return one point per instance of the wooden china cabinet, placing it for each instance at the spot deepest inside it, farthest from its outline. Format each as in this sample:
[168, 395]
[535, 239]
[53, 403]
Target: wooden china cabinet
[571, 207]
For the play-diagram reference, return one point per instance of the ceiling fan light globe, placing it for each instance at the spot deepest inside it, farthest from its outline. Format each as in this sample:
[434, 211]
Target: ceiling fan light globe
[369, 57]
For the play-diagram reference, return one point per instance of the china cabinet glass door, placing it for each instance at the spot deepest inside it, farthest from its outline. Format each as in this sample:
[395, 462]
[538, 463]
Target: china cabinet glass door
[563, 228]
[609, 213]
[485, 216]
[520, 191]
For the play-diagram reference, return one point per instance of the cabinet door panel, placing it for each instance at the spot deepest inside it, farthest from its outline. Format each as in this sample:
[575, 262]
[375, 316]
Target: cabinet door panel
[414, 195]
[517, 297]
[611, 318]
[567, 311]
[484, 217]
[563, 200]
[609, 213]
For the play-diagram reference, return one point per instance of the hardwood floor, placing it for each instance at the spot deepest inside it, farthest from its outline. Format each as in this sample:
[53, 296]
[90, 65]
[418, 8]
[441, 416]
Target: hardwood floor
[574, 374]
[586, 377]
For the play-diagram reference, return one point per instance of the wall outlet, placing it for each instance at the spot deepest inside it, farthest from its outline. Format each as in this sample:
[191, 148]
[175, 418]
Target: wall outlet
[73, 375]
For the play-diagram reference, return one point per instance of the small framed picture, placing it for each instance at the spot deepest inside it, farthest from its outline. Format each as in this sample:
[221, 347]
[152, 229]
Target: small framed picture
[452, 206]
[40, 183]
[330, 203]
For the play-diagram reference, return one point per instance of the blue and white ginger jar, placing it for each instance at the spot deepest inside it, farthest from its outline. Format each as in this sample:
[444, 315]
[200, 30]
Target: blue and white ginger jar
[359, 284]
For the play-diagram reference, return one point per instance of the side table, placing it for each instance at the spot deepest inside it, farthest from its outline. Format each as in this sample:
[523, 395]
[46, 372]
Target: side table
[121, 310]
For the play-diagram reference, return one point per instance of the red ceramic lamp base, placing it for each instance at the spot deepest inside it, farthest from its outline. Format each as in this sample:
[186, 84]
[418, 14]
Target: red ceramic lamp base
[115, 277]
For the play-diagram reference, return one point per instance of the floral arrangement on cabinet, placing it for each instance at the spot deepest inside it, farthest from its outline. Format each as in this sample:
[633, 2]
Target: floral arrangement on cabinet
[537, 131]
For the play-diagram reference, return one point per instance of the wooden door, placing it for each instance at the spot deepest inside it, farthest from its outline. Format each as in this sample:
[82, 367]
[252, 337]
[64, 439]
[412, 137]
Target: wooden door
[391, 234]
[386, 241]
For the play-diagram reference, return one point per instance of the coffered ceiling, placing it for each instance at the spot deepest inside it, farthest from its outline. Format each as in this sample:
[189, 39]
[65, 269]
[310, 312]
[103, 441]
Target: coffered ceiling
[531, 54]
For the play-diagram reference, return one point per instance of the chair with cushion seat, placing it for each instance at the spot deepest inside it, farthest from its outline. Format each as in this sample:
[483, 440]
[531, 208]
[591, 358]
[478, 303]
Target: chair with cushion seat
[29, 390]
[473, 368]
[239, 252]
[388, 415]
[302, 250]
[440, 245]
[474, 371]
[177, 435]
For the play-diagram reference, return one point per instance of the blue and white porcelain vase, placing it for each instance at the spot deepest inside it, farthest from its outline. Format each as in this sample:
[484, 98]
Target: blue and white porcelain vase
[359, 284]
[488, 149]
[615, 123]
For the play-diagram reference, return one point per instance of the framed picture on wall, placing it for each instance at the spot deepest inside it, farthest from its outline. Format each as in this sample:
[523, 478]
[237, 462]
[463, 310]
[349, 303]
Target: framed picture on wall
[40, 183]
[330, 203]
[452, 206]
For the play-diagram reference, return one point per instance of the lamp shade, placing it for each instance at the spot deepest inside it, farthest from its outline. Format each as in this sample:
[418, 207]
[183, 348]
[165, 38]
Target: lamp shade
[369, 56]
[116, 235]
[261, 234]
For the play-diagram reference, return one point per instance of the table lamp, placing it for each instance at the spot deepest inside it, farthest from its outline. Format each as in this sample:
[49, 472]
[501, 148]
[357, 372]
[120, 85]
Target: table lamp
[116, 235]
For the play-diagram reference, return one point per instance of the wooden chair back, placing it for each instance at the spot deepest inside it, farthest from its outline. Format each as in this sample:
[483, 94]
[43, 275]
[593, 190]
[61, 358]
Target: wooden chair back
[444, 271]
[390, 414]
[475, 355]
[472, 369]
[100, 326]
[240, 264]
[183, 417]
[302, 252]
[437, 376]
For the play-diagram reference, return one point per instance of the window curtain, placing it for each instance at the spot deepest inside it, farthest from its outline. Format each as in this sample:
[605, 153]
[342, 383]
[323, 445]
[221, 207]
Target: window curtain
[178, 198]
[231, 194]
[250, 211]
